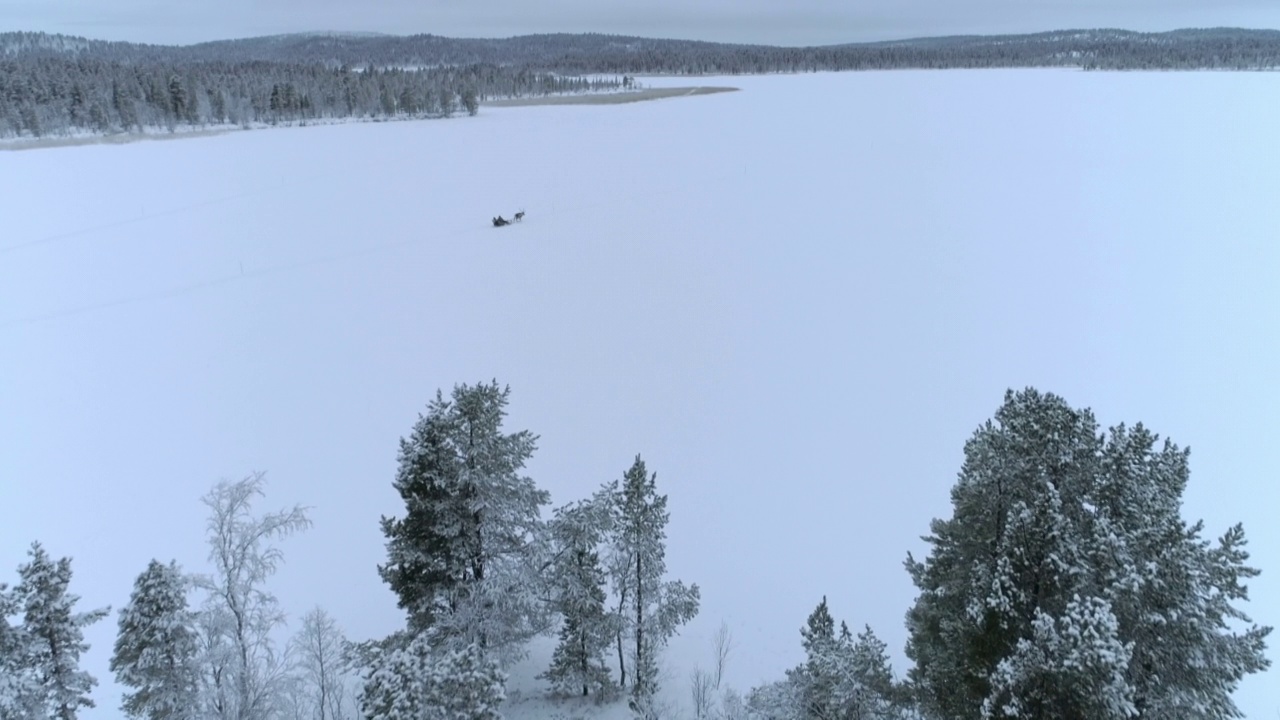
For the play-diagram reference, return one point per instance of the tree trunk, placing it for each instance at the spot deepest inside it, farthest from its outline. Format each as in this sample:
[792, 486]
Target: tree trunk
[242, 674]
[622, 663]
[324, 684]
[639, 681]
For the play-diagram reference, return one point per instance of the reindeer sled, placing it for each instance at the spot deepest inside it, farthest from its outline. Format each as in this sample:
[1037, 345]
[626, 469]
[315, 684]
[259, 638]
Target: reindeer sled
[500, 221]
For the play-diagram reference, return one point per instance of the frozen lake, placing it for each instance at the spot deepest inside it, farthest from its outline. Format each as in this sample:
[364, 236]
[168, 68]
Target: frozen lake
[797, 301]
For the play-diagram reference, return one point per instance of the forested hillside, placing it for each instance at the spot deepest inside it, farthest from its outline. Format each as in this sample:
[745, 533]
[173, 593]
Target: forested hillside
[59, 85]
[1221, 48]
[58, 95]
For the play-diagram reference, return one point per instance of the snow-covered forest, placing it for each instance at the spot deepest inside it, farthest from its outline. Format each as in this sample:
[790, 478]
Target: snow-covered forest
[60, 95]
[1065, 584]
[59, 85]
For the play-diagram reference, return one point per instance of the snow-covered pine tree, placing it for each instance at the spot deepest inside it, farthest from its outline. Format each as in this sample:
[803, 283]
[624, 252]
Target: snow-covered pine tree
[1072, 666]
[1172, 592]
[818, 637]
[20, 693]
[1066, 583]
[466, 685]
[394, 671]
[243, 674]
[55, 633]
[410, 679]
[576, 581]
[780, 700]
[372, 660]
[843, 678]
[156, 647]
[860, 678]
[873, 692]
[426, 562]
[464, 559]
[650, 610]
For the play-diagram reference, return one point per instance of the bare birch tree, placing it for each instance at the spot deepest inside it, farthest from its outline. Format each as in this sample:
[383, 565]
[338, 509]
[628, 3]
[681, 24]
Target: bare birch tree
[723, 646]
[318, 652]
[240, 614]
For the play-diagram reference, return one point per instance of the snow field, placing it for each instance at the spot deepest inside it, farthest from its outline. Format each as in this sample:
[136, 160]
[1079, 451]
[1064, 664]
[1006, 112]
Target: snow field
[797, 301]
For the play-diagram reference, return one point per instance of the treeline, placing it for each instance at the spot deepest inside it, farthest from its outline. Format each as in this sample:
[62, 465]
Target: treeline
[60, 94]
[1066, 584]
[475, 566]
[1229, 49]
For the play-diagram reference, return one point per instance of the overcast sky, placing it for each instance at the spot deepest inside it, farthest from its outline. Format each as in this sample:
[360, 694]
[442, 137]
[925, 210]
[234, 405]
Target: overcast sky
[794, 22]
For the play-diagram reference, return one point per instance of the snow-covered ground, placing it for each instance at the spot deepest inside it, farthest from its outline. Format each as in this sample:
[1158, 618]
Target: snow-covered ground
[797, 301]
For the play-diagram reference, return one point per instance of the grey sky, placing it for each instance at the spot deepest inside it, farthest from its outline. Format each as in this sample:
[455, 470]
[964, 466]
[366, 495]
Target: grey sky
[795, 22]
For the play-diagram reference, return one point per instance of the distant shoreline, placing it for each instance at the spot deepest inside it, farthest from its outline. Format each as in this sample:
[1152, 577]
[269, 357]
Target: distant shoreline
[609, 98]
[13, 144]
[119, 138]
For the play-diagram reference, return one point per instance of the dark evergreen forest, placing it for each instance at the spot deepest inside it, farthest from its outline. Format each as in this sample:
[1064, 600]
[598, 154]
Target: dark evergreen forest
[60, 85]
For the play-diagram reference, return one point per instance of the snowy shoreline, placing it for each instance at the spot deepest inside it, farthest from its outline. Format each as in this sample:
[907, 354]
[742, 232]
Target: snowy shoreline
[616, 98]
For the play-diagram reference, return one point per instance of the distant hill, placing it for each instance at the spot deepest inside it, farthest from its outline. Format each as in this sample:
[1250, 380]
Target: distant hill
[1216, 48]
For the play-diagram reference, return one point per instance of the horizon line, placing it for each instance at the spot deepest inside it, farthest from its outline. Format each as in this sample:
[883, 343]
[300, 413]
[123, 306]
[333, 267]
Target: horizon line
[367, 35]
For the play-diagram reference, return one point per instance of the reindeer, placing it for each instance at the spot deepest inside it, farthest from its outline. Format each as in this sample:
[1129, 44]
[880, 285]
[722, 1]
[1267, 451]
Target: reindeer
[520, 216]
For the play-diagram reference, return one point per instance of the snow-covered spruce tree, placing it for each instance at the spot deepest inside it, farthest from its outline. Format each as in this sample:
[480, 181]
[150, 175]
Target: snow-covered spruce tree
[318, 652]
[576, 580]
[1066, 583]
[465, 558]
[243, 673]
[54, 633]
[412, 679]
[156, 647]
[649, 609]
